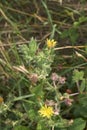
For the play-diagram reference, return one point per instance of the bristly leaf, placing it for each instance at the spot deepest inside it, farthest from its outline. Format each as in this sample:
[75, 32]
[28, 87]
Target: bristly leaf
[78, 124]
[33, 46]
[78, 75]
[29, 51]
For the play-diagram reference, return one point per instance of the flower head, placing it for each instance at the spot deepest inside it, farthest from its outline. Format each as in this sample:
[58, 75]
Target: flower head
[54, 77]
[49, 102]
[62, 80]
[33, 78]
[46, 111]
[51, 43]
[68, 101]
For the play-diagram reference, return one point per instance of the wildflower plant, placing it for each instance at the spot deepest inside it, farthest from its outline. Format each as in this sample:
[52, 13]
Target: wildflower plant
[39, 103]
[39, 60]
[43, 81]
[38, 63]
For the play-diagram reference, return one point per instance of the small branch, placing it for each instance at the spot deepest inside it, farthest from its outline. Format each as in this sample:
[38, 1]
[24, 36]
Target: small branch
[69, 47]
[52, 127]
[73, 94]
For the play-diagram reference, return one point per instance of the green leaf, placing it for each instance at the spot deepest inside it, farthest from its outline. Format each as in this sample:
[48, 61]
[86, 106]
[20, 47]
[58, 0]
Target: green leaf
[21, 128]
[23, 97]
[41, 126]
[77, 75]
[32, 114]
[33, 46]
[78, 124]
[38, 91]
[82, 19]
[56, 128]
[82, 86]
[80, 109]
[64, 34]
[73, 35]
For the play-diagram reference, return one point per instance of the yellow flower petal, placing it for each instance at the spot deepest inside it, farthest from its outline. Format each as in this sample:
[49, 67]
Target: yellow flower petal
[51, 43]
[46, 111]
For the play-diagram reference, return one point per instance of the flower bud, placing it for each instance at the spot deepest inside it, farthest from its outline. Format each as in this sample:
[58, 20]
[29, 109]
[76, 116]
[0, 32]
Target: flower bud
[33, 78]
[54, 77]
[62, 80]
[68, 101]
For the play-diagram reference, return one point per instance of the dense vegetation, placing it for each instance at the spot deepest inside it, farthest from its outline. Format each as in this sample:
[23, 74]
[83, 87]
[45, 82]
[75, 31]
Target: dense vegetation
[43, 65]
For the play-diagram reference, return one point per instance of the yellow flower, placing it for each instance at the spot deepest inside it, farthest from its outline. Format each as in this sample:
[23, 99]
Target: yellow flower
[46, 111]
[51, 43]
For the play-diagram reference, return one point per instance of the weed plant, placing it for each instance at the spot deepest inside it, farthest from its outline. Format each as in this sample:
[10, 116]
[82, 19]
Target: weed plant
[43, 65]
